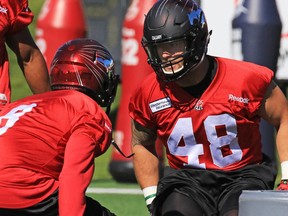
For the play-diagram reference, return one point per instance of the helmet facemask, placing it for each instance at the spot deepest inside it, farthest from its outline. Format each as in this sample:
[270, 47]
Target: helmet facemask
[110, 88]
[172, 59]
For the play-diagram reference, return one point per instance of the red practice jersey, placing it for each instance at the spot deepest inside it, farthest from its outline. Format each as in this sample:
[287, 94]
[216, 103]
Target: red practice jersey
[219, 130]
[14, 17]
[49, 141]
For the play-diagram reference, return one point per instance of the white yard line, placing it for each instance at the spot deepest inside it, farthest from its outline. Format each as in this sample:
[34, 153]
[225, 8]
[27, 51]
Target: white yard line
[114, 191]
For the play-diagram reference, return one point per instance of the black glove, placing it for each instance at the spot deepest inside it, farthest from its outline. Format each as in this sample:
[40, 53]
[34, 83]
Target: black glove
[150, 208]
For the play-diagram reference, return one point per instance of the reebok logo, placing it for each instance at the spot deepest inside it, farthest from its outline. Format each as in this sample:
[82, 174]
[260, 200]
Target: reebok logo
[3, 10]
[232, 97]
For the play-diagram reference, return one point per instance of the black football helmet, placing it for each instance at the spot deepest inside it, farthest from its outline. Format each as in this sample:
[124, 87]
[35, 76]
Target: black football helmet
[180, 27]
[85, 65]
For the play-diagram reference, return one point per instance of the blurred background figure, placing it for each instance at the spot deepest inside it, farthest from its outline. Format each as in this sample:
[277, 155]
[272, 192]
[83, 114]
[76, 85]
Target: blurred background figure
[58, 22]
[134, 68]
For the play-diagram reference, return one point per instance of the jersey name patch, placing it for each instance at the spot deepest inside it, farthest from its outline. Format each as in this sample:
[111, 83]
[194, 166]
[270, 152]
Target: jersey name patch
[161, 104]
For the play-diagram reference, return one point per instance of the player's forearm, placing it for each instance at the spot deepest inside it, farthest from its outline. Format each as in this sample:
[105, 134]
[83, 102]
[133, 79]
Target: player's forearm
[30, 60]
[282, 147]
[36, 73]
[281, 140]
[146, 166]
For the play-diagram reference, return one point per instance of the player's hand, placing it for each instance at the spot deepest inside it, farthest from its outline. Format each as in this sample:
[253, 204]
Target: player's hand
[283, 185]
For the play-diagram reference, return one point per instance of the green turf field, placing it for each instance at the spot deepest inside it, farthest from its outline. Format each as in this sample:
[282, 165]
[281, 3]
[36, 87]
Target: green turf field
[121, 204]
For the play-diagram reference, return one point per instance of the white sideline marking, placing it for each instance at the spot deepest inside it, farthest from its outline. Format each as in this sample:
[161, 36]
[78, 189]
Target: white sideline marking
[114, 191]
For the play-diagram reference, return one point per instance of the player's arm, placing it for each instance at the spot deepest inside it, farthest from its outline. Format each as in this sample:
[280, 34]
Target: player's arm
[145, 160]
[274, 109]
[76, 174]
[30, 60]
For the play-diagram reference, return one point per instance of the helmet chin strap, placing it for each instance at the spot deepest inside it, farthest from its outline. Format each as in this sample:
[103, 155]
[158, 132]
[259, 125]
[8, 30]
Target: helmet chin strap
[173, 72]
[108, 108]
[119, 150]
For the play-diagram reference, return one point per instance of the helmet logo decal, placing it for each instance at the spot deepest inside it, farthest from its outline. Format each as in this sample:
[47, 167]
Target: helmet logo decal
[106, 62]
[197, 16]
[156, 37]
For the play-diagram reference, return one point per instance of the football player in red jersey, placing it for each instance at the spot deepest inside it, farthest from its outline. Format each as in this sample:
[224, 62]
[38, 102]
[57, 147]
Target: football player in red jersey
[15, 16]
[206, 111]
[48, 141]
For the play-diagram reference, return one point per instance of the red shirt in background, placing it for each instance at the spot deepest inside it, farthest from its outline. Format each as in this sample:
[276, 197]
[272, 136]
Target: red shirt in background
[14, 17]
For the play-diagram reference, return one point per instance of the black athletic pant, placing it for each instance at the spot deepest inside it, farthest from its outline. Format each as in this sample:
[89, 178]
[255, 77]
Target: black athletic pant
[49, 207]
[209, 192]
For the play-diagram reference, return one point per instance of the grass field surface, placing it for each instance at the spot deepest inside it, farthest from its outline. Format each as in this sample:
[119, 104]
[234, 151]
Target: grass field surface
[123, 205]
